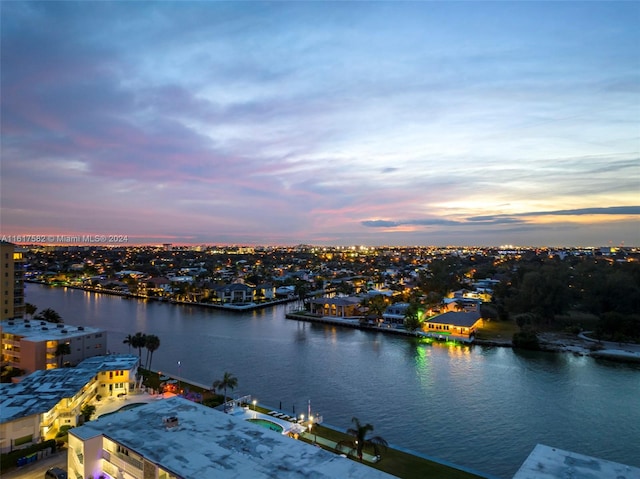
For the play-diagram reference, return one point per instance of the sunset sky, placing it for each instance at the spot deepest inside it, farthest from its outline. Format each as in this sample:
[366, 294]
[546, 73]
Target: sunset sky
[376, 123]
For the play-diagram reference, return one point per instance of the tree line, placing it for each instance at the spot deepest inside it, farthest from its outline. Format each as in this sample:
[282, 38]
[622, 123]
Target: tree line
[538, 295]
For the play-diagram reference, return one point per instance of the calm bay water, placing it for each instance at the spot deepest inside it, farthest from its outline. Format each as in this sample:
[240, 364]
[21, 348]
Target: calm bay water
[483, 408]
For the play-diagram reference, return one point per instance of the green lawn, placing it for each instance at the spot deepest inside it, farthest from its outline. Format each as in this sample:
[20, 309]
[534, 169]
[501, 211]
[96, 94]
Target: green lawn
[496, 330]
[401, 464]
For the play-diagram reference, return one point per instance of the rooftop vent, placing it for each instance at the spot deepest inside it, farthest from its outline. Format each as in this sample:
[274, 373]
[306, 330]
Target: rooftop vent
[43, 323]
[26, 321]
[60, 326]
[80, 328]
[44, 328]
[27, 325]
[64, 331]
[170, 422]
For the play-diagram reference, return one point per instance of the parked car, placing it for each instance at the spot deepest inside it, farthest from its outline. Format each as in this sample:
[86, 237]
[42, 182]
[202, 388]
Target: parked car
[55, 473]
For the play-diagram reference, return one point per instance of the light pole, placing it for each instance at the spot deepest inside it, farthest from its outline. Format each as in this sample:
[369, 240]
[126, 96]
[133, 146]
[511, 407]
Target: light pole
[310, 426]
[179, 375]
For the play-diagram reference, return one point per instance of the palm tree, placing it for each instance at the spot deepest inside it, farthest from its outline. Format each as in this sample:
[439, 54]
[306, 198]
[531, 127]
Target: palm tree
[412, 317]
[139, 341]
[128, 341]
[377, 305]
[227, 381]
[49, 315]
[360, 440]
[152, 342]
[61, 350]
[30, 309]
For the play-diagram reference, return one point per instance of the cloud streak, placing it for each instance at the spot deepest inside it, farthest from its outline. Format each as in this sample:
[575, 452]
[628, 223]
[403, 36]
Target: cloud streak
[288, 121]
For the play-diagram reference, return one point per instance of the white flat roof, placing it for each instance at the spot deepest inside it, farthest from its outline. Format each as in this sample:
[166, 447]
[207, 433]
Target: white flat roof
[36, 330]
[42, 390]
[210, 443]
[111, 362]
[547, 462]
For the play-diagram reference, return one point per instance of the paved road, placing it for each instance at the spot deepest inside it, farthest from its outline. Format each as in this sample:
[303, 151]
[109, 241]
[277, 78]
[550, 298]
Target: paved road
[38, 468]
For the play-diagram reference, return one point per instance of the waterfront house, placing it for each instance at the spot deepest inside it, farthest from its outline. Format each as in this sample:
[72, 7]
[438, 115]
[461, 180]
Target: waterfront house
[456, 326]
[266, 291]
[234, 293]
[395, 313]
[158, 286]
[340, 307]
[460, 304]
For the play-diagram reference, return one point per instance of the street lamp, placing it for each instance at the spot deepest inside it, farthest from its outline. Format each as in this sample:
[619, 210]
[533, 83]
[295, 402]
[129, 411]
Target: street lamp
[179, 375]
[310, 425]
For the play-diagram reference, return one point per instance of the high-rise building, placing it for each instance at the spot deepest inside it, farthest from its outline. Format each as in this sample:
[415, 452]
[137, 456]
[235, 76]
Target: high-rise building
[11, 281]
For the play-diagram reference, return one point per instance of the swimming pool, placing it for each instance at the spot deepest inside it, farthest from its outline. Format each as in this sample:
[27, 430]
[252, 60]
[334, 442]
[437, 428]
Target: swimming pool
[267, 424]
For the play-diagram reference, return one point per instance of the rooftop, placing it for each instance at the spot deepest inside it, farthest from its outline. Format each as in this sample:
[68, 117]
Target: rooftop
[546, 462]
[464, 319]
[37, 330]
[111, 362]
[210, 443]
[40, 391]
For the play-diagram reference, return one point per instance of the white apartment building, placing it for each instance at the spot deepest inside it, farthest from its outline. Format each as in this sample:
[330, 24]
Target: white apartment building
[35, 409]
[176, 438]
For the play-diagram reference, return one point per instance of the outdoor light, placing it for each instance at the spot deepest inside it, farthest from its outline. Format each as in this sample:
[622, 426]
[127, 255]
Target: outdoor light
[254, 404]
[179, 375]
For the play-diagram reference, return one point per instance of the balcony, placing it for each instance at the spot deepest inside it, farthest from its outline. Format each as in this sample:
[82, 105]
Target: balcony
[122, 461]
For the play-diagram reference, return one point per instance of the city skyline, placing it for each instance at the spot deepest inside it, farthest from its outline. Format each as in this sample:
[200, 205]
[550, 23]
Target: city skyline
[408, 123]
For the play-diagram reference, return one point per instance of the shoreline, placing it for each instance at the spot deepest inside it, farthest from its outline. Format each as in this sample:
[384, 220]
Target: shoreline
[223, 307]
[549, 342]
[580, 345]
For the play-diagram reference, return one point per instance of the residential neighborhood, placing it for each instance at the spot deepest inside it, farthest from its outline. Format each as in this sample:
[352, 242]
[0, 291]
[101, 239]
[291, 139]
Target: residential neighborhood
[449, 291]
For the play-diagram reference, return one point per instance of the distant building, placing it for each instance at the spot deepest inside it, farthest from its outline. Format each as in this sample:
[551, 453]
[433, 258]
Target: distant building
[36, 408]
[266, 291]
[234, 293]
[457, 326]
[30, 344]
[395, 313]
[177, 438]
[546, 462]
[341, 307]
[11, 281]
[286, 291]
